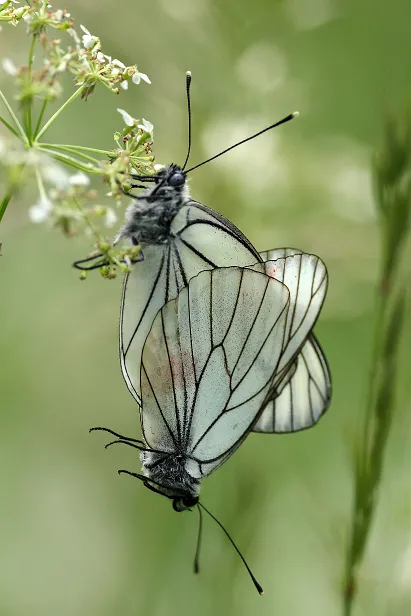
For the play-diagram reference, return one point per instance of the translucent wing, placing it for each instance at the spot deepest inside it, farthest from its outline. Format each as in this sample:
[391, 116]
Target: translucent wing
[200, 239]
[303, 397]
[302, 386]
[306, 278]
[279, 253]
[208, 362]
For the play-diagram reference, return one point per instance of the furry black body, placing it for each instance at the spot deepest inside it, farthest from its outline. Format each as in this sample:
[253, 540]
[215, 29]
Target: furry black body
[171, 479]
[149, 217]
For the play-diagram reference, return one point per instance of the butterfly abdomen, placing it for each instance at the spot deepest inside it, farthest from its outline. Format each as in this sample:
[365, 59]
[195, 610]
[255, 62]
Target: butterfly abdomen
[169, 471]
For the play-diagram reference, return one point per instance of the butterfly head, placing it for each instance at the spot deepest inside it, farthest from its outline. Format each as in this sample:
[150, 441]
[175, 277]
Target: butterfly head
[170, 176]
[185, 502]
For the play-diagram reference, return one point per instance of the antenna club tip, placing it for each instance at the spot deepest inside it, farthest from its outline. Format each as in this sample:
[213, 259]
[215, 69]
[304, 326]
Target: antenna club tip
[295, 114]
[261, 592]
[188, 73]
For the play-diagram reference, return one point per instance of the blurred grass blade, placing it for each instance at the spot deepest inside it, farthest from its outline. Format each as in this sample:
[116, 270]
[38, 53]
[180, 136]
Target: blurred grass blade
[392, 175]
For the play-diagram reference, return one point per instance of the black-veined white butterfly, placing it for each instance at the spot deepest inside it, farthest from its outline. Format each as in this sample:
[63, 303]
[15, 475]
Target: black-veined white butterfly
[181, 238]
[211, 362]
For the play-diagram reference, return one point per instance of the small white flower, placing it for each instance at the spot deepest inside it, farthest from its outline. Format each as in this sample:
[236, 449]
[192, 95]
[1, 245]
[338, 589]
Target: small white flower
[128, 119]
[88, 39]
[137, 77]
[124, 85]
[79, 179]
[9, 67]
[27, 17]
[54, 174]
[110, 218]
[41, 210]
[74, 34]
[146, 126]
[118, 63]
[100, 57]
[22, 12]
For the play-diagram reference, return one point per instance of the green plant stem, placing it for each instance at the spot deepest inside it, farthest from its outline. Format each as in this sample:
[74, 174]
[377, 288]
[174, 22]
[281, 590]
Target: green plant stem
[10, 127]
[40, 118]
[4, 203]
[72, 162]
[88, 221]
[378, 419]
[69, 150]
[14, 118]
[59, 111]
[80, 148]
[31, 52]
[40, 183]
[29, 104]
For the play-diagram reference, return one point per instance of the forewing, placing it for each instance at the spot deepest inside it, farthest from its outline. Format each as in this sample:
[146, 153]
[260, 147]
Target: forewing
[205, 376]
[247, 313]
[303, 398]
[144, 293]
[200, 239]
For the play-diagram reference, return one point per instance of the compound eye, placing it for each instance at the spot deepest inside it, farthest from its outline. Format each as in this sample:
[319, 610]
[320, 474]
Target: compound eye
[178, 505]
[190, 501]
[177, 179]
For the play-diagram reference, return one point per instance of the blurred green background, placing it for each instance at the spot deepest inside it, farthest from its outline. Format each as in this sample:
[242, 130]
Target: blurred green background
[77, 539]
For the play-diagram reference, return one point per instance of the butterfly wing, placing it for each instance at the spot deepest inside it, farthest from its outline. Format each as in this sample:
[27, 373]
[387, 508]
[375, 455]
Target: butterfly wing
[302, 386]
[200, 239]
[303, 398]
[207, 364]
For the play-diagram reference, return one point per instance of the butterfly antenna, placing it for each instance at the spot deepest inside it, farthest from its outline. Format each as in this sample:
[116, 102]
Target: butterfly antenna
[188, 85]
[283, 121]
[256, 584]
[199, 536]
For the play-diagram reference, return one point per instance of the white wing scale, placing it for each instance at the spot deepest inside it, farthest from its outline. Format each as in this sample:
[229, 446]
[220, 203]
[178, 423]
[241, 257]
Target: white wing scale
[303, 399]
[302, 387]
[204, 381]
[200, 239]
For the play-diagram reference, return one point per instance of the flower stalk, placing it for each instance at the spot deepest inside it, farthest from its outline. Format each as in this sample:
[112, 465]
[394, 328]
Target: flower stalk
[392, 178]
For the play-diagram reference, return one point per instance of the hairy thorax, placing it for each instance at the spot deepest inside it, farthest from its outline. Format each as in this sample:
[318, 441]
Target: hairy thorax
[149, 217]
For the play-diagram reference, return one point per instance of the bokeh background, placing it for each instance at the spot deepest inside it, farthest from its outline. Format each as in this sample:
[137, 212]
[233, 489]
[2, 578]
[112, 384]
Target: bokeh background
[77, 539]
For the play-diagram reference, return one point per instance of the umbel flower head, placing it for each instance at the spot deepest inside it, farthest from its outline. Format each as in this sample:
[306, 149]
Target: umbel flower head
[65, 200]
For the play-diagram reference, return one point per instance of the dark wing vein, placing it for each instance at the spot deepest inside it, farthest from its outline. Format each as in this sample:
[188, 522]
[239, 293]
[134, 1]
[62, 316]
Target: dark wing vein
[197, 252]
[168, 275]
[145, 307]
[228, 226]
[160, 409]
[172, 379]
[235, 307]
[296, 295]
[249, 334]
[180, 265]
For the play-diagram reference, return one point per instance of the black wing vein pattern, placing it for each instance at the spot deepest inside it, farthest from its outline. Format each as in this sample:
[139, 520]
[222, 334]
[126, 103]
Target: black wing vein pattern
[200, 239]
[304, 399]
[301, 390]
[212, 376]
